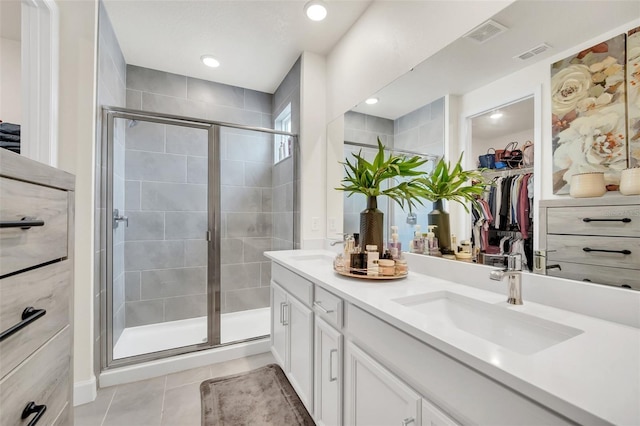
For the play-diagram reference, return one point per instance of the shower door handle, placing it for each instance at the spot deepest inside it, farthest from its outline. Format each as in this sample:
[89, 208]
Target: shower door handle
[117, 218]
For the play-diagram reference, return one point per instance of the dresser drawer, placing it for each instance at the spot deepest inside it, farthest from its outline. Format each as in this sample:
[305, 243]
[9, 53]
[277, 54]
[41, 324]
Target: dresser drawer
[328, 306]
[594, 250]
[45, 288]
[293, 283]
[23, 248]
[597, 274]
[623, 221]
[43, 378]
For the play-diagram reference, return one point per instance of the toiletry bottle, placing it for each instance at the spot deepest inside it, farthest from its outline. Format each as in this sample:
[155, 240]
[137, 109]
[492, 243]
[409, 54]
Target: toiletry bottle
[372, 260]
[349, 247]
[432, 242]
[418, 241]
[395, 247]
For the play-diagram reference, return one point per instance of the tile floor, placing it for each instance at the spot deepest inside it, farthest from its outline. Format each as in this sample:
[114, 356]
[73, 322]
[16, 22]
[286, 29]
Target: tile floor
[173, 399]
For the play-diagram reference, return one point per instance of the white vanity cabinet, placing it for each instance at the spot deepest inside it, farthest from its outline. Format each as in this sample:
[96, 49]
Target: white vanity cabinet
[374, 396]
[292, 330]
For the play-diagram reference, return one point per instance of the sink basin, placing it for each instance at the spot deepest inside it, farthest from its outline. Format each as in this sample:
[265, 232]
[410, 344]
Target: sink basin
[309, 257]
[517, 331]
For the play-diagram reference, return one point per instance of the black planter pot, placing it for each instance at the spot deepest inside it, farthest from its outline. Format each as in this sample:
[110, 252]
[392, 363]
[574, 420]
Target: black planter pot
[371, 222]
[440, 218]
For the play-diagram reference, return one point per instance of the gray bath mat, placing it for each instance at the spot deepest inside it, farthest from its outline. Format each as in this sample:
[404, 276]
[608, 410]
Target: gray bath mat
[260, 397]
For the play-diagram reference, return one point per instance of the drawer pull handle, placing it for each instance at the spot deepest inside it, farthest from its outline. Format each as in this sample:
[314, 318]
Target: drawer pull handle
[322, 308]
[408, 420]
[33, 408]
[25, 223]
[589, 250]
[29, 315]
[624, 220]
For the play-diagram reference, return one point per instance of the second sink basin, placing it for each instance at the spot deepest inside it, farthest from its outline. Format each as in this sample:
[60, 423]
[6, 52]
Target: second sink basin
[517, 331]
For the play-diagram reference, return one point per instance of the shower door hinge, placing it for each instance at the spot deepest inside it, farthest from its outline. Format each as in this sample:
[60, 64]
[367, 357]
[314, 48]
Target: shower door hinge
[208, 235]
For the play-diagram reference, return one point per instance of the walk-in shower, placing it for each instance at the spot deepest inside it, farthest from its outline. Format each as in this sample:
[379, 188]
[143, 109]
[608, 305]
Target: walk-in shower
[191, 205]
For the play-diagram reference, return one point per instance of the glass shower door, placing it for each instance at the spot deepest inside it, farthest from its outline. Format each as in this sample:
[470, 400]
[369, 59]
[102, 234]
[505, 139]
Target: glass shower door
[160, 221]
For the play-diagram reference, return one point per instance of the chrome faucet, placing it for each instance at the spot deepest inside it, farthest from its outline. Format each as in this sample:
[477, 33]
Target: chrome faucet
[514, 272]
[345, 237]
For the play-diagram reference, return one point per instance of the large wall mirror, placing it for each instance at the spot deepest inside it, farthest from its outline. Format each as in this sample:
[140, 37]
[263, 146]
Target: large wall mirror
[454, 83]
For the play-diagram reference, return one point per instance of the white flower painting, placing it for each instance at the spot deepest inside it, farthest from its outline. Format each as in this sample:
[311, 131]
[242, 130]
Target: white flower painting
[589, 114]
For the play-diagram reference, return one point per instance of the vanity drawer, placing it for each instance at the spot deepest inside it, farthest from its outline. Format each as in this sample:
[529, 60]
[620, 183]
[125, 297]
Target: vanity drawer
[43, 378]
[301, 288]
[597, 274]
[24, 248]
[594, 250]
[45, 288]
[623, 221]
[328, 306]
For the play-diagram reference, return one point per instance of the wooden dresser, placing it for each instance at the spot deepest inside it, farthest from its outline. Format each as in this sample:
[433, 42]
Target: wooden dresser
[36, 292]
[593, 239]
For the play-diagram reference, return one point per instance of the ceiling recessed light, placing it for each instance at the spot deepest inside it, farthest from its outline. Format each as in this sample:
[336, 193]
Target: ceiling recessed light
[371, 101]
[496, 115]
[210, 61]
[315, 10]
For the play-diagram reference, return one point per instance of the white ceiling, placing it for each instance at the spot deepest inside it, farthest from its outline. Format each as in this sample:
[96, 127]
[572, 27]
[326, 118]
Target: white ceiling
[256, 42]
[10, 19]
[465, 65]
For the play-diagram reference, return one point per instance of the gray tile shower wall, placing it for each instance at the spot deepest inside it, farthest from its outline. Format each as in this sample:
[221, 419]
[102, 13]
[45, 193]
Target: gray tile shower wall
[363, 128]
[422, 130]
[166, 193]
[165, 242]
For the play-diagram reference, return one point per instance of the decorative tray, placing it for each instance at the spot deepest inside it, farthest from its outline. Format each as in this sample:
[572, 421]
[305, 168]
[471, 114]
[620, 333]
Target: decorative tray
[371, 277]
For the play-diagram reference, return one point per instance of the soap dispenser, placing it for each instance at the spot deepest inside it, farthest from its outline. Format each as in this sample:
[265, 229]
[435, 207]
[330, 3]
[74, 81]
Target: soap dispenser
[418, 241]
[431, 246]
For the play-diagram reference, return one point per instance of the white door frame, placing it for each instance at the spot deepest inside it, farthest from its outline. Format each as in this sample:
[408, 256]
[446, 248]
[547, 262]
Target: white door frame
[39, 41]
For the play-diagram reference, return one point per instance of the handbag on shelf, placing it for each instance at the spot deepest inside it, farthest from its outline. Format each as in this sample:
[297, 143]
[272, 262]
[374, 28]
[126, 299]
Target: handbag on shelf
[527, 154]
[488, 160]
[502, 153]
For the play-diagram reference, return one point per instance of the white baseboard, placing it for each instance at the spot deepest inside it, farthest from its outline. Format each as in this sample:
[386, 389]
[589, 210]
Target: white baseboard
[84, 392]
[148, 370]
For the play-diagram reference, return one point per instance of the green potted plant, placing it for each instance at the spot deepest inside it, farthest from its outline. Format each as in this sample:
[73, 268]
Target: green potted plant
[453, 184]
[363, 177]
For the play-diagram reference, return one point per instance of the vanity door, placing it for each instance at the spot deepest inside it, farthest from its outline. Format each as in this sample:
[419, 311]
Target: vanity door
[374, 396]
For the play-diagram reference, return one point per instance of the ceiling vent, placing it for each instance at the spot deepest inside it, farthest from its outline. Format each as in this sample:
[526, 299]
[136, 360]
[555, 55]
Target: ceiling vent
[485, 31]
[533, 52]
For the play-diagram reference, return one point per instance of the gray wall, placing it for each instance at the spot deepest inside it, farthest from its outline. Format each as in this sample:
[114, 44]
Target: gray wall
[363, 128]
[286, 208]
[111, 91]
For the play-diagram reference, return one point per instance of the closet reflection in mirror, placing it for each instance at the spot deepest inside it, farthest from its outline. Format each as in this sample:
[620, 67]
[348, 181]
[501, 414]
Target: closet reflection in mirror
[420, 132]
[501, 137]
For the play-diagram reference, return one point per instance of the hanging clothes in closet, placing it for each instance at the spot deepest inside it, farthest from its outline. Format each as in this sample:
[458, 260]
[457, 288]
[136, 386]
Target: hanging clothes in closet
[504, 223]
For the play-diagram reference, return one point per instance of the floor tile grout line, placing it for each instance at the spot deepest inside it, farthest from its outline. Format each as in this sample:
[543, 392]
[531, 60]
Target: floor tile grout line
[164, 397]
[109, 406]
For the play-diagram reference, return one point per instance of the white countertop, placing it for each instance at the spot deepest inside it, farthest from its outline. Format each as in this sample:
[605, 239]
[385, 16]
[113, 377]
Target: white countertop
[593, 377]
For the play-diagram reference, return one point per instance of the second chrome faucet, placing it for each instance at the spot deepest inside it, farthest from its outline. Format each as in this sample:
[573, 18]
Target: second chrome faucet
[513, 272]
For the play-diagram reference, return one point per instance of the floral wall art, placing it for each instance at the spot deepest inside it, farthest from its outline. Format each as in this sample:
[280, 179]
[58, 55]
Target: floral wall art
[633, 95]
[589, 126]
